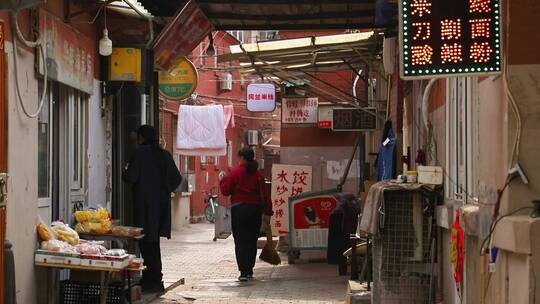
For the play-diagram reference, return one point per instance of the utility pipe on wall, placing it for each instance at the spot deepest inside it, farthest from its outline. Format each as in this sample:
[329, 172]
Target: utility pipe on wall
[425, 115]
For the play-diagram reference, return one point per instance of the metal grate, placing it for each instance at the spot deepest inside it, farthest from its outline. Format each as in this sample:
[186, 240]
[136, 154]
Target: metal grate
[402, 259]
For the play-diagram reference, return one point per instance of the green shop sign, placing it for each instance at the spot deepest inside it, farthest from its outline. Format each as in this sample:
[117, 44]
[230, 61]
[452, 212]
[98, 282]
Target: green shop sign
[180, 82]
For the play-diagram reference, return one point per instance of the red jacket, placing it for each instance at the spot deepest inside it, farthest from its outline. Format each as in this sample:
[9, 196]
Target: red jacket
[246, 188]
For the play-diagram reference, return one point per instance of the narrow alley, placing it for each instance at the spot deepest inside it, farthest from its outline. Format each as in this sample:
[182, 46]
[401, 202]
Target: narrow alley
[210, 274]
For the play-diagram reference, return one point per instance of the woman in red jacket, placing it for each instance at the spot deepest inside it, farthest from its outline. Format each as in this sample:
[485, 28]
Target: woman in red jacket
[245, 185]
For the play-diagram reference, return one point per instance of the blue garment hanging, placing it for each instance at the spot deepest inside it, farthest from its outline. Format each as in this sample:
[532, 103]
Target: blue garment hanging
[385, 159]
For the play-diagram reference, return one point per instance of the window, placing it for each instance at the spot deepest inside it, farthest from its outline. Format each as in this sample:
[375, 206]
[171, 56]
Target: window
[230, 154]
[44, 148]
[461, 138]
[239, 35]
[187, 169]
[268, 35]
[203, 159]
[77, 141]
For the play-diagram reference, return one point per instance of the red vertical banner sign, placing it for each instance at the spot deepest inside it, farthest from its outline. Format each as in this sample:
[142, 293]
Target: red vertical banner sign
[456, 250]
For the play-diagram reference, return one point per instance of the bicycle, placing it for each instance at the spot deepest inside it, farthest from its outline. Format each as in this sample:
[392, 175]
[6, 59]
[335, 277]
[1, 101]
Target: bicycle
[211, 206]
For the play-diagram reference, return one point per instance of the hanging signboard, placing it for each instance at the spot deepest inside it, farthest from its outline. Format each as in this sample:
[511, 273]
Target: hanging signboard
[440, 38]
[287, 181]
[69, 55]
[182, 34]
[299, 110]
[325, 117]
[354, 119]
[180, 83]
[261, 97]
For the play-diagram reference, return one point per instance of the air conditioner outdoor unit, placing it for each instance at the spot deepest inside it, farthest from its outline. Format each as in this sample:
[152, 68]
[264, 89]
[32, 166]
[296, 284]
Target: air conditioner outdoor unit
[226, 82]
[253, 137]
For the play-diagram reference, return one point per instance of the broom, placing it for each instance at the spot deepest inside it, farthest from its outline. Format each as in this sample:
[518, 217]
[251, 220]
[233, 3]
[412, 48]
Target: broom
[269, 253]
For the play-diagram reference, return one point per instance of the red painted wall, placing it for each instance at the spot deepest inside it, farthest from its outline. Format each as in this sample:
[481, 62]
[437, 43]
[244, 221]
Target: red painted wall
[208, 91]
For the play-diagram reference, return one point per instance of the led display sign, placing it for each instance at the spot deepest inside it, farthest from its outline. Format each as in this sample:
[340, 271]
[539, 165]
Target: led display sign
[441, 38]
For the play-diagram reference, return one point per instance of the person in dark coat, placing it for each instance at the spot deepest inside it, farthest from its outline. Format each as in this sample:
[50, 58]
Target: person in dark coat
[154, 175]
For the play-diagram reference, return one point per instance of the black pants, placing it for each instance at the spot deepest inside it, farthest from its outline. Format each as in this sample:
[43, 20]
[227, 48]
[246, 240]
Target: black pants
[151, 253]
[246, 226]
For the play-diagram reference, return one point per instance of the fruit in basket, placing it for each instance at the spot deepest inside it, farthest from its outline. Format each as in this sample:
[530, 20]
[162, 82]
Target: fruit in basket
[43, 232]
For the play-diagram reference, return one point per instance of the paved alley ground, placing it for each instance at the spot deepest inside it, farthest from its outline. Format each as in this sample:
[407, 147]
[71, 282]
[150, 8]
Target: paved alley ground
[210, 273]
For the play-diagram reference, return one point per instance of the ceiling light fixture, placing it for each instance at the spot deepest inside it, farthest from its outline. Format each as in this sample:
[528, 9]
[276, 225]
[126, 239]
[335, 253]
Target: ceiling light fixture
[105, 43]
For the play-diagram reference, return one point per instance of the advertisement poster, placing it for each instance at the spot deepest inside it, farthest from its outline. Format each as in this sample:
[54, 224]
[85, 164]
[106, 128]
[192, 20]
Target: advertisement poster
[311, 220]
[287, 181]
[300, 110]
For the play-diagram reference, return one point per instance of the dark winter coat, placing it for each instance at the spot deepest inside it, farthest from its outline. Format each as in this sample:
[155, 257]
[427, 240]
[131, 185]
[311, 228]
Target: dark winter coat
[154, 175]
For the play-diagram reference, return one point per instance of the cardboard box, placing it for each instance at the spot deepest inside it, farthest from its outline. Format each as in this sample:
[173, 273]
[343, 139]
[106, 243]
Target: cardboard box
[50, 257]
[105, 261]
[431, 175]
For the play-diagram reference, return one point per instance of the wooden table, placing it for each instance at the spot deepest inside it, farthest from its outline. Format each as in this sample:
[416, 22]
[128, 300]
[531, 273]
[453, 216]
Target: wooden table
[105, 276]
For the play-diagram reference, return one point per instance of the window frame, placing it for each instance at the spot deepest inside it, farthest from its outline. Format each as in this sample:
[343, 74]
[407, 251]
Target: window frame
[77, 105]
[46, 201]
[462, 135]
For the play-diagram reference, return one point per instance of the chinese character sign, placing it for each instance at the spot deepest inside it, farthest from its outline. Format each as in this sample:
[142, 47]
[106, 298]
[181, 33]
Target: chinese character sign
[441, 38]
[70, 55]
[299, 110]
[287, 181]
[261, 97]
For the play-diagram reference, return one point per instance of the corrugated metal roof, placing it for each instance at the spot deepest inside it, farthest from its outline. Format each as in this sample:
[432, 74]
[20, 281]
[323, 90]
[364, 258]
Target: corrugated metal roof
[277, 14]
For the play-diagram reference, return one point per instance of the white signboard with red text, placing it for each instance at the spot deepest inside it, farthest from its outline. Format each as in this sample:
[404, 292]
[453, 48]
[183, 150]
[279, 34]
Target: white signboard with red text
[261, 97]
[325, 117]
[287, 181]
[300, 110]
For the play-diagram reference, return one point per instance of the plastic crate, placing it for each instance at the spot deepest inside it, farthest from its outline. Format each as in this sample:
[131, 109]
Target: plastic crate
[88, 293]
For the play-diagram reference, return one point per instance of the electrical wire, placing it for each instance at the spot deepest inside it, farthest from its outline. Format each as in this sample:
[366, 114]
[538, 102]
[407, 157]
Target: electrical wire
[494, 225]
[93, 20]
[36, 44]
[517, 139]
[15, 22]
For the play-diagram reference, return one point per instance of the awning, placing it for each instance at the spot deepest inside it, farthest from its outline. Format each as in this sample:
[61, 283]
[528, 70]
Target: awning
[312, 53]
[277, 14]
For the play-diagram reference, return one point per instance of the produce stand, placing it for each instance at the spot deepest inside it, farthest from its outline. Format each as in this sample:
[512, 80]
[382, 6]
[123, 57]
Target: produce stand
[105, 275]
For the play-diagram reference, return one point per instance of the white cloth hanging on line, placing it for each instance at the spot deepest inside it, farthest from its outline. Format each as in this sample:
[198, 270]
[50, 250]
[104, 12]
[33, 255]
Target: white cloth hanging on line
[201, 131]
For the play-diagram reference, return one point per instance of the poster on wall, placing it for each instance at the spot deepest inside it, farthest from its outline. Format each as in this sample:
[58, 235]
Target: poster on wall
[69, 55]
[440, 38]
[287, 181]
[261, 97]
[300, 110]
[310, 221]
[325, 117]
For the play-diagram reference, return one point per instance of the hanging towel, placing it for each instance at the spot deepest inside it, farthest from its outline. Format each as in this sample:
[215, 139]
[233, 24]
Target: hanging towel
[228, 112]
[201, 131]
